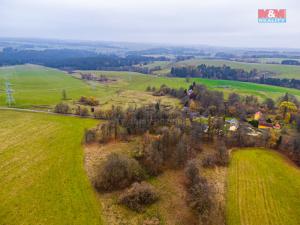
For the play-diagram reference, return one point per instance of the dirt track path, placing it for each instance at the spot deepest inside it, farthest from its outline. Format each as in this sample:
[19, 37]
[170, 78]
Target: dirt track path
[41, 111]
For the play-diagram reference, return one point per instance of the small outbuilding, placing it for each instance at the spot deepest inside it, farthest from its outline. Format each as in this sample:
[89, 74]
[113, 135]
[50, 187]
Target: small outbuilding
[233, 124]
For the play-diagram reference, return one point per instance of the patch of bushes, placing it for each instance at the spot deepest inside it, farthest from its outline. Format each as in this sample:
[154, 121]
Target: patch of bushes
[254, 123]
[90, 135]
[62, 108]
[209, 161]
[151, 157]
[199, 193]
[100, 114]
[152, 89]
[222, 155]
[138, 196]
[191, 173]
[169, 148]
[82, 111]
[220, 158]
[91, 101]
[119, 171]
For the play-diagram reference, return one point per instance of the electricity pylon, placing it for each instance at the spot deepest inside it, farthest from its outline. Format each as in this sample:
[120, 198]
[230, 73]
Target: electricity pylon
[9, 97]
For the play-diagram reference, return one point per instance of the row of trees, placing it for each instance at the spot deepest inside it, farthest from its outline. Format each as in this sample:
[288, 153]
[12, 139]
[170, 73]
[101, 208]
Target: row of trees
[132, 121]
[227, 73]
[290, 62]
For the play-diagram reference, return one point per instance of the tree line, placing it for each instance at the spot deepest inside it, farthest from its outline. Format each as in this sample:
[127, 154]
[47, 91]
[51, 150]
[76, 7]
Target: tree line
[227, 73]
[290, 62]
[73, 59]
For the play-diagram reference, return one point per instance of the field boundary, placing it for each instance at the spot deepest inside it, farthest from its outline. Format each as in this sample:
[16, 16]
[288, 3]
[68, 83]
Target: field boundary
[45, 112]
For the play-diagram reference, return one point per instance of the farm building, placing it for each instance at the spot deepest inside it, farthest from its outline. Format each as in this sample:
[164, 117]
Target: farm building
[264, 125]
[233, 124]
[258, 115]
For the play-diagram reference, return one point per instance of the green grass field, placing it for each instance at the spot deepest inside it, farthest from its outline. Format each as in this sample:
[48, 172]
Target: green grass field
[282, 71]
[42, 178]
[263, 188]
[139, 82]
[40, 87]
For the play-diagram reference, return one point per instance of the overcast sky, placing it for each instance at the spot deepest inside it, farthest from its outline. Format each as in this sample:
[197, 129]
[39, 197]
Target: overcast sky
[210, 22]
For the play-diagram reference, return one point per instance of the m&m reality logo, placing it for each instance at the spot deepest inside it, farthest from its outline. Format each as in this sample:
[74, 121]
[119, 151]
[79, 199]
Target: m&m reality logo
[272, 15]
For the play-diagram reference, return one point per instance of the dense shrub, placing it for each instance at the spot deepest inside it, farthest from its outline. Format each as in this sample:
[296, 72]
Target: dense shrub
[290, 145]
[119, 171]
[191, 173]
[181, 153]
[90, 135]
[222, 156]
[152, 158]
[199, 195]
[254, 123]
[62, 108]
[138, 196]
[99, 114]
[82, 111]
[169, 149]
[209, 161]
[91, 101]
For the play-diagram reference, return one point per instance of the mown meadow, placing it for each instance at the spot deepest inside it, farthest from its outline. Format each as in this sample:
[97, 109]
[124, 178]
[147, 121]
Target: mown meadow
[42, 177]
[263, 188]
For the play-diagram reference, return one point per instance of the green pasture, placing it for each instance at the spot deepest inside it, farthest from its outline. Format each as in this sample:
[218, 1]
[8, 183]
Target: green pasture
[263, 188]
[41, 87]
[42, 177]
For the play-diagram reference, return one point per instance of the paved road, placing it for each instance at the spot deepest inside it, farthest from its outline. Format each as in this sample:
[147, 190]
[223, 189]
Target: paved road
[45, 112]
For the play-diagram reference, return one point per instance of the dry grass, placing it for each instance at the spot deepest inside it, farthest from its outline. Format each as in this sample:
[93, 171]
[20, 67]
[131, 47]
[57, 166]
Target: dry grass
[171, 207]
[130, 98]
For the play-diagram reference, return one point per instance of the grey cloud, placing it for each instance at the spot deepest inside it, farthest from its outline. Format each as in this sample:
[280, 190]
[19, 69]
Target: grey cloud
[214, 22]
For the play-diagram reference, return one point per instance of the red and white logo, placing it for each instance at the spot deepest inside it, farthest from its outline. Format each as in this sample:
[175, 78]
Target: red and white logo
[272, 15]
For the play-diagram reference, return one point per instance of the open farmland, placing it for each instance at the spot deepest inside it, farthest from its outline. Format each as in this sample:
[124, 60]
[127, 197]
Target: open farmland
[41, 171]
[139, 82]
[41, 87]
[263, 188]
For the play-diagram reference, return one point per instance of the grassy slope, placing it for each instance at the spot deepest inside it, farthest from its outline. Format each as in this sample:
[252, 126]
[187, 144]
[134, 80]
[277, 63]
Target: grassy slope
[263, 189]
[35, 85]
[42, 178]
[139, 82]
[282, 71]
[38, 86]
